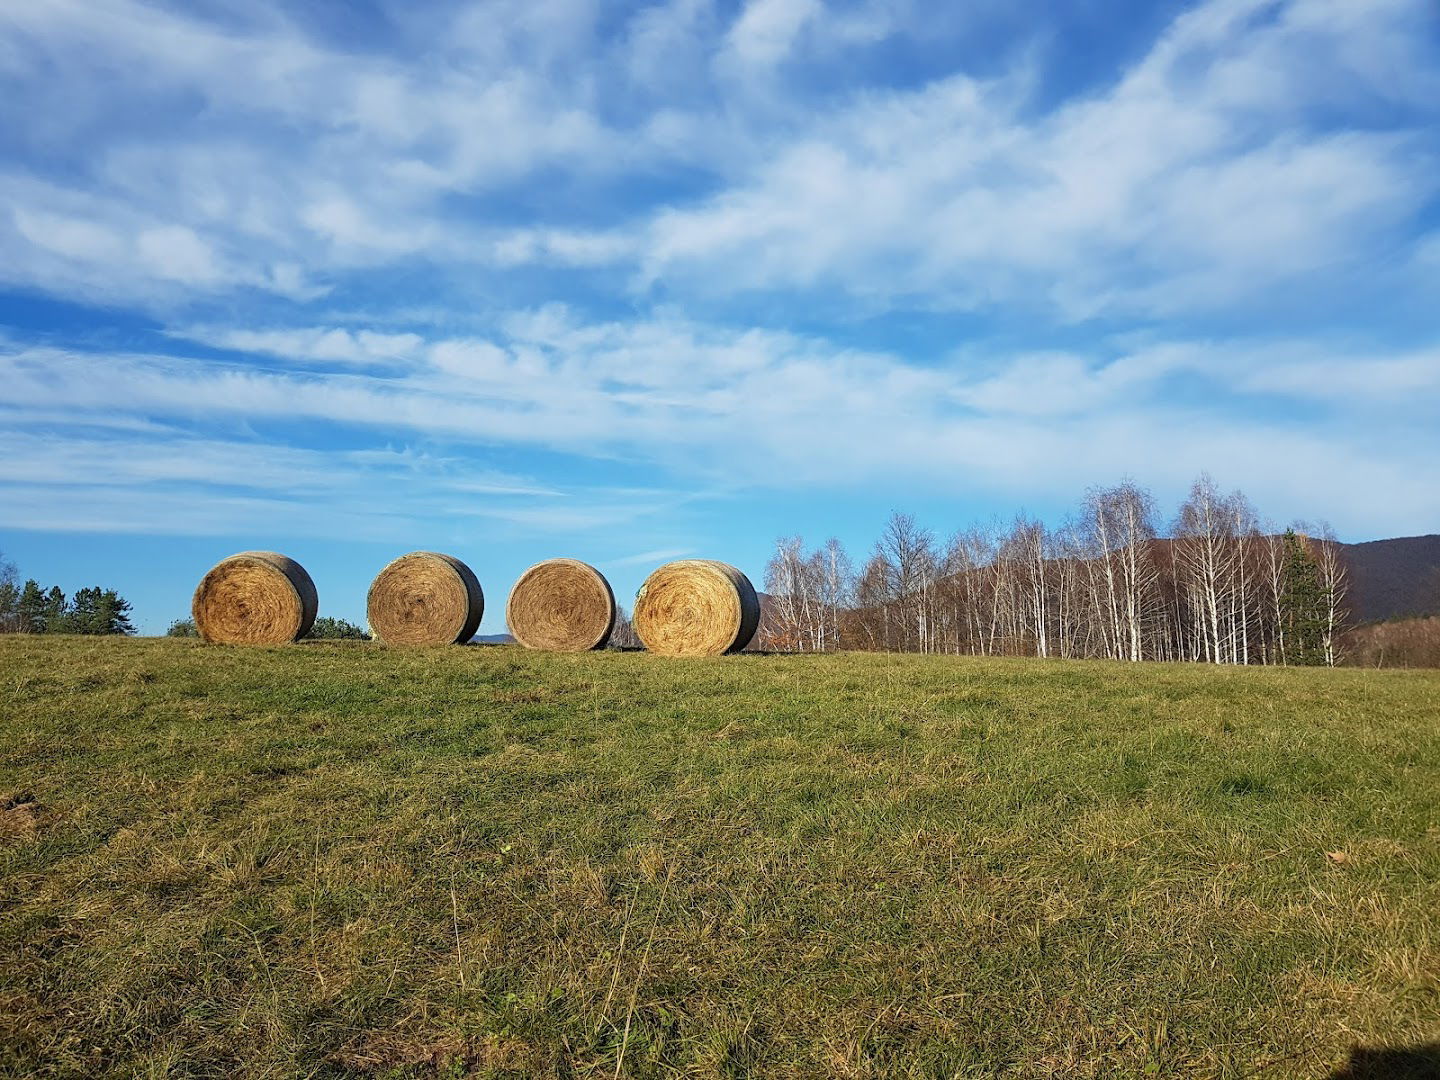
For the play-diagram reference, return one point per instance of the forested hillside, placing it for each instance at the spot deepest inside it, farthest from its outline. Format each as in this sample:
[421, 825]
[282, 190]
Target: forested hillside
[1392, 579]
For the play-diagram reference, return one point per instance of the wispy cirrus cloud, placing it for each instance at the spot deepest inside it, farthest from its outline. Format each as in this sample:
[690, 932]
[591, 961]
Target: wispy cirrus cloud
[1201, 179]
[1215, 169]
[325, 345]
[176, 481]
[645, 558]
[724, 409]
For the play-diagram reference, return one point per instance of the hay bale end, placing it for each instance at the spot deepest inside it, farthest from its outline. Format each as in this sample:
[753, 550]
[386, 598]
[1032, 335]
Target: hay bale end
[696, 607]
[255, 598]
[425, 598]
[563, 605]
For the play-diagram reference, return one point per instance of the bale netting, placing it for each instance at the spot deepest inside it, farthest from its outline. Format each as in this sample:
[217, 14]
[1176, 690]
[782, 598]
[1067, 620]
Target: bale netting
[255, 598]
[696, 607]
[563, 605]
[425, 599]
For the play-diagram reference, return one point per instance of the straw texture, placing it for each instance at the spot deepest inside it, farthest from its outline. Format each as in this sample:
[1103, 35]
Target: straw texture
[425, 598]
[563, 605]
[696, 607]
[255, 598]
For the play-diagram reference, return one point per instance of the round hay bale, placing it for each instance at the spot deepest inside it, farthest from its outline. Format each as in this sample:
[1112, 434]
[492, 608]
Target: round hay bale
[255, 598]
[563, 605]
[696, 607]
[425, 599]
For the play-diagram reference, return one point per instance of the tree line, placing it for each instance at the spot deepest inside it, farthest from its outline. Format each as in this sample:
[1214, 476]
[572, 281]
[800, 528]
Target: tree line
[325, 628]
[1219, 588]
[33, 609]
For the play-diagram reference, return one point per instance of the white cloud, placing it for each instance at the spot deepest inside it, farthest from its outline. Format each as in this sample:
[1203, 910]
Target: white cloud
[1195, 182]
[324, 345]
[1244, 152]
[766, 30]
[180, 484]
[471, 360]
[661, 555]
[92, 246]
[69, 237]
[719, 408]
[563, 247]
[175, 253]
[667, 44]
[305, 159]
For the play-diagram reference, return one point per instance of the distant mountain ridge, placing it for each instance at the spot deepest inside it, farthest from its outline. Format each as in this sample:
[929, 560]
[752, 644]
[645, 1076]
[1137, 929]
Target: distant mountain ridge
[1394, 578]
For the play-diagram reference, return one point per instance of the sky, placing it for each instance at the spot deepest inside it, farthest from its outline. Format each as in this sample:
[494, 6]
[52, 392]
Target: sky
[632, 282]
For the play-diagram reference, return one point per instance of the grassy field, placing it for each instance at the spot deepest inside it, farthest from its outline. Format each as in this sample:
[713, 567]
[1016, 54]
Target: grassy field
[338, 859]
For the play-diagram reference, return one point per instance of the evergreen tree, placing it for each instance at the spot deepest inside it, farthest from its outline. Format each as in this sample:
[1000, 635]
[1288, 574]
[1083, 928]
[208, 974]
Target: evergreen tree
[1302, 605]
[31, 608]
[36, 610]
[100, 611]
[57, 612]
[84, 612]
[115, 613]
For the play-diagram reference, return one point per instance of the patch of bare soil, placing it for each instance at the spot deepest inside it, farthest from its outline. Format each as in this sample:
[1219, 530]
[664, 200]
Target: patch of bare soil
[383, 1051]
[20, 817]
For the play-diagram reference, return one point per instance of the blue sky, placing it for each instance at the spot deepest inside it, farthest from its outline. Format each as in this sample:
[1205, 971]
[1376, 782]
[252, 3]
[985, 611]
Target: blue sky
[627, 282]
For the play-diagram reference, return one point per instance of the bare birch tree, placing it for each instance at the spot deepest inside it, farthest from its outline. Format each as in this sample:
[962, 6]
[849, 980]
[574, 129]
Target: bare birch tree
[1206, 555]
[1335, 581]
[1120, 522]
[1104, 584]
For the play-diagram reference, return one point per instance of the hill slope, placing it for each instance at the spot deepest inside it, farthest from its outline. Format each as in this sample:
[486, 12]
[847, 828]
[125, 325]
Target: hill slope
[338, 859]
[1394, 578]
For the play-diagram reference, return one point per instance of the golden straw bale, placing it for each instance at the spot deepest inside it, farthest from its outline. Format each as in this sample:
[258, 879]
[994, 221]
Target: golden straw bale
[255, 598]
[425, 598]
[563, 605]
[696, 607]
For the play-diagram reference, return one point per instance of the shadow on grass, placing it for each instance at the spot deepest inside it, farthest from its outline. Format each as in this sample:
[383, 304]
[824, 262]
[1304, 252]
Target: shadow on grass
[1390, 1063]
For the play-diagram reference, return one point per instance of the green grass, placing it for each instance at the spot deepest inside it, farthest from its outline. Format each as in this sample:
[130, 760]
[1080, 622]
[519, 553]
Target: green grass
[336, 859]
